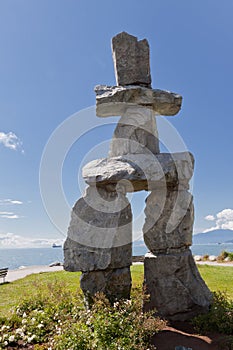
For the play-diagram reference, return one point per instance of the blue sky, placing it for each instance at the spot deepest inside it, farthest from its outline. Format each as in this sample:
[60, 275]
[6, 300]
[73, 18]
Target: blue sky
[54, 52]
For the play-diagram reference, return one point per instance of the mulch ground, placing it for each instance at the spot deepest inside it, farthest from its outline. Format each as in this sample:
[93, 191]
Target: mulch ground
[183, 334]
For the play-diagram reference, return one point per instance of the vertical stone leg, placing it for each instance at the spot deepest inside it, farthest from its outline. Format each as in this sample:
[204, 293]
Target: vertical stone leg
[114, 283]
[136, 133]
[99, 243]
[171, 277]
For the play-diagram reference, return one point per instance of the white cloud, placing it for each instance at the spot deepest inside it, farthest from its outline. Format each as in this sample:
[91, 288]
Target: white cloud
[9, 201]
[223, 220]
[10, 216]
[11, 141]
[210, 217]
[11, 240]
[226, 214]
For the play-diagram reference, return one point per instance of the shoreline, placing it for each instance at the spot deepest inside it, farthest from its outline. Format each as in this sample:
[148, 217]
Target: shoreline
[17, 274]
[14, 275]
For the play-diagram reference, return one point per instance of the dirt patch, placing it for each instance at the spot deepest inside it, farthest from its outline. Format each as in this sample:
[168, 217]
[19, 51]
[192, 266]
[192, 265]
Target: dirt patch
[183, 334]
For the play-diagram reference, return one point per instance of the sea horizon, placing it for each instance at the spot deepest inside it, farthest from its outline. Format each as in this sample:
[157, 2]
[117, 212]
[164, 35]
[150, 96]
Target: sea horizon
[15, 258]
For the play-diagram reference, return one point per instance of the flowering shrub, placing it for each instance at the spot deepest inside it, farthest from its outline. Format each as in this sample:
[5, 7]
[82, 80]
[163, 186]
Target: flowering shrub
[57, 319]
[219, 318]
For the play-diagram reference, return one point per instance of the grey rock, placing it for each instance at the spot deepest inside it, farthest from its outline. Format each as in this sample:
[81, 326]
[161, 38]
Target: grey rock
[100, 232]
[131, 60]
[114, 283]
[78, 257]
[136, 172]
[169, 220]
[55, 263]
[135, 133]
[115, 100]
[175, 286]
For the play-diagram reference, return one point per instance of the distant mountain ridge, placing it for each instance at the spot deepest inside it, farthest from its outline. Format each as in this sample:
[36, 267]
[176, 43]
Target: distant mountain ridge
[215, 236]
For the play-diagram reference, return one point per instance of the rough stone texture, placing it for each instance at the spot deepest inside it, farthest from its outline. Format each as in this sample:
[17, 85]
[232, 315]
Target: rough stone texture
[137, 172]
[78, 257]
[100, 232]
[169, 220]
[175, 286]
[114, 283]
[115, 100]
[135, 133]
[131, 60]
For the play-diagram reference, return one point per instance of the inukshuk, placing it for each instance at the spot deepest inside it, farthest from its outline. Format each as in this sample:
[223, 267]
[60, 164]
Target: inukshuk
[99, 239]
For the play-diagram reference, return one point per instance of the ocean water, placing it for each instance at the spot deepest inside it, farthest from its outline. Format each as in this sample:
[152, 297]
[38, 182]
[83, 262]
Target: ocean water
[197, 249]
[16, 258]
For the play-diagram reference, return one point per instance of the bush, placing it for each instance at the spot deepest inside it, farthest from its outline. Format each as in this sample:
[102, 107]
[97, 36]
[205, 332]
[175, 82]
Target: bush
[205, 257]
[224, 254]
[57, 319]
[219, 318]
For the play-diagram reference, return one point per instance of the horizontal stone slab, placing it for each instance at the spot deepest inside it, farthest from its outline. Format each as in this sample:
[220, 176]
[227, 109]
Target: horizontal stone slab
[115, 100]
[136, 172]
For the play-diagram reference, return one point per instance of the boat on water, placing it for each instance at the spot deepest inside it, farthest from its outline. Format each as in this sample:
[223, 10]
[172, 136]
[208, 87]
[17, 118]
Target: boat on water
[55, 245]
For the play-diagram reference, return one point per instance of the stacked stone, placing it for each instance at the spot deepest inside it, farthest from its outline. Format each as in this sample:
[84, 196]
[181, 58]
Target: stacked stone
[100, 232]
[99, 243]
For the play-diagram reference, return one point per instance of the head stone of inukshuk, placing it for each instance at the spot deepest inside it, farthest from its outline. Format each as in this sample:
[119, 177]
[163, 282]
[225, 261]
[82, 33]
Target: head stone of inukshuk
[99, 241]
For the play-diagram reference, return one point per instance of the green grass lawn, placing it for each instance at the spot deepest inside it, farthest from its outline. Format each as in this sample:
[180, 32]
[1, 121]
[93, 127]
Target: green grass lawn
[216, 277]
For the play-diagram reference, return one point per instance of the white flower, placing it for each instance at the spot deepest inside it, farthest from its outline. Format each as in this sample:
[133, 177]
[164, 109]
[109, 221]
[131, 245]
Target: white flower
[24, 315]
[30, 339]
[11, 338]
[116, 304]
[5, 343]
[40, 326]
[19, 331]
[24, 321]
[33, 320]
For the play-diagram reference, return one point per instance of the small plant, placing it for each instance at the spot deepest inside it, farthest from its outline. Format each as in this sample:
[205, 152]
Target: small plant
[205, 257]
[219, 318]
[230, 256]
[224, 254]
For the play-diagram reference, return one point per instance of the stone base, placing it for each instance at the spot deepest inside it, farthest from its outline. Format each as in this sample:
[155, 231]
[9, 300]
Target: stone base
[177, 291]
[114, 283]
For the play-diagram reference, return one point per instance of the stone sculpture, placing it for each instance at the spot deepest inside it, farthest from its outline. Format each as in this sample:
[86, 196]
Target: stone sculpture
[99, 241]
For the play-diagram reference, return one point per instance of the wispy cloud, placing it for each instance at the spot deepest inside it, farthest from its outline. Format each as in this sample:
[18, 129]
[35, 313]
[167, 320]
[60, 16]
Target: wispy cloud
[11, 141]
[9, 202]
[210, 218]
[10, 216]
[11, 240]
[5, 203]
[223, 220]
